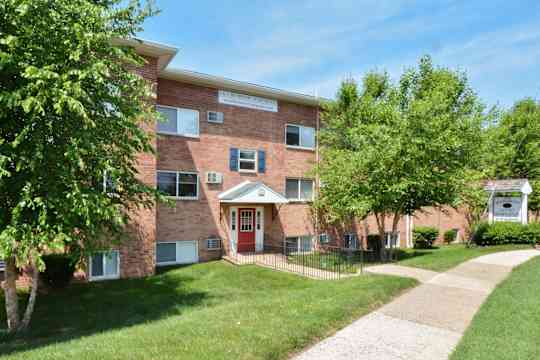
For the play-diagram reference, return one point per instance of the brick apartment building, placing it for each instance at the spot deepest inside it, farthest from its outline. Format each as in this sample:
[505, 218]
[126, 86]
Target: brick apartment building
[235, 158]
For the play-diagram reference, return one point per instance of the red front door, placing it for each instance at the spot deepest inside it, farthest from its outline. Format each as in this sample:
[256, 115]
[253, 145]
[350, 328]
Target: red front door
[246, 233]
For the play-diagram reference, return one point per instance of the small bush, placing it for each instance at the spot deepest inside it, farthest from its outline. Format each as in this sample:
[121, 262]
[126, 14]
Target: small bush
[506, 233]
[424, 236]
[478, 232]
[450, 236]
[59, 269]
[374, 242]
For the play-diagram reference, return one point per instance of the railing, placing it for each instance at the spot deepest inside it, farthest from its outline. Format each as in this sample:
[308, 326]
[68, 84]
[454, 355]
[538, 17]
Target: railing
[319, 262]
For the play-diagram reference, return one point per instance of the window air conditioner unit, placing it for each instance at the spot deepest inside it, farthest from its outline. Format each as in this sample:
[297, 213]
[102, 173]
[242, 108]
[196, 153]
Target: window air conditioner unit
[213, 177]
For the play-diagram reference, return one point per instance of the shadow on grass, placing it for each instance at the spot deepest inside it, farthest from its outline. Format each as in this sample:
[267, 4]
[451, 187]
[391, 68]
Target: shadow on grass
[86, 309]
[413, 253]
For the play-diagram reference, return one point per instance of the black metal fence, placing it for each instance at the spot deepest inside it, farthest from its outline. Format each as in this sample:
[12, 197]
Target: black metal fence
[318, 262]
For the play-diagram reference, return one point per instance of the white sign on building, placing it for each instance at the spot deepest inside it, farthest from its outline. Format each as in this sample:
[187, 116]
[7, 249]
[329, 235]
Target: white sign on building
[507, 208]
[248, 101]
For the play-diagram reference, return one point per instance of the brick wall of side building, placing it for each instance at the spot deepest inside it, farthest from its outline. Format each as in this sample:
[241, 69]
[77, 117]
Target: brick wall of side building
[137, 253]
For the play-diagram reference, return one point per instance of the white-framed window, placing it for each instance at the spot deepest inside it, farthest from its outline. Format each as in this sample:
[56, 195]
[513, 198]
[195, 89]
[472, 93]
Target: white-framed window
[324, 238]
[213, 244]
[177, 252]
[233, 220]
[258, 220]
[299, 243]
[350, 241]
[247, 160]
[215, 117]
[178, 121]
[181, 185]
[391, 240]
[300, 136]
[104, 265]
[299, 189]
[2, 265]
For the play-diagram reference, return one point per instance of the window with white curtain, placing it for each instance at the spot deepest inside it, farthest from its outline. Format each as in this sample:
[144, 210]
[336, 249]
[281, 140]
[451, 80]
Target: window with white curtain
[299, 189]
[178, 121]
[105, 265]
[300, 136]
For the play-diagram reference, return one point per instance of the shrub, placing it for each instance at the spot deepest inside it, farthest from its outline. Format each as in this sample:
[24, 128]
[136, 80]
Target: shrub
[59, 269]
[450, 235]
[373, 242]
[478, 232]
[424, 236]
[506, 233]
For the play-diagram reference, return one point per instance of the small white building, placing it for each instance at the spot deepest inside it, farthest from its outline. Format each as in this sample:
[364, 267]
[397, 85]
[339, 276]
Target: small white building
[502, 205]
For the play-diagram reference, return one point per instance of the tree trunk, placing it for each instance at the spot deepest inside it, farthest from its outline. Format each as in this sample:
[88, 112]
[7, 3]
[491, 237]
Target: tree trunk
[395, 223]
[32, 298]
[381, 226]
[10, 291]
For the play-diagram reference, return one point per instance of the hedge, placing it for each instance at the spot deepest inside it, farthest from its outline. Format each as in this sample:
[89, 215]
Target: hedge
[59, 269]
[450, 236]
[506, 233]
[424, 236]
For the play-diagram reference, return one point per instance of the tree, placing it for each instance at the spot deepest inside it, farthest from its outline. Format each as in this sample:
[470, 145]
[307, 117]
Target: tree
[517, 139]
[390, 150]
[72, 112]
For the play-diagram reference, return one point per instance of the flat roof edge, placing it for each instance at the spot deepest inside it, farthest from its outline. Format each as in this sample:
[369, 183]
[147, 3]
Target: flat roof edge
[198, 78]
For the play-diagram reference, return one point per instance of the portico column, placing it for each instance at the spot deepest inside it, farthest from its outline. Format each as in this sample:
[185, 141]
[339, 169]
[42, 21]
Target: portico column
[490, 207]
[524, 209]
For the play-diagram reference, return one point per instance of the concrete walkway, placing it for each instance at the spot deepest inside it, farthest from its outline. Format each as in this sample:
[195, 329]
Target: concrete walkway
[426, 322]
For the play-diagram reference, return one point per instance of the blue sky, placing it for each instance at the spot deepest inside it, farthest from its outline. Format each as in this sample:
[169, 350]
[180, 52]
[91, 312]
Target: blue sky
[311, 46]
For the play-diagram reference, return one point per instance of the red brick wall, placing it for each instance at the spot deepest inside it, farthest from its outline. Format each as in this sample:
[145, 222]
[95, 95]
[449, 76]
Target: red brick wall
[443, 219]
[137, 254]
[242, 128]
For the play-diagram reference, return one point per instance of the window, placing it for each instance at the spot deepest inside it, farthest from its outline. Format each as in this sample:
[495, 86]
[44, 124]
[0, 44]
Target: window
[299, 189]
[300, 136]
[391, 240]
[214, 117]
[258, 220]
[2, 265]
[181, 185]
[246, 220]
[109, 186]
[166, 253]
[213, 244]
[178, 121]
[299, 243]
[105, 265]
[233, 220]
[323, 238]
[177, 252]
[247, 160]
[350, 241]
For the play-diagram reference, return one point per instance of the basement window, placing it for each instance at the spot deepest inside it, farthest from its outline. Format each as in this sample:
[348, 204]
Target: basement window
[105, 265]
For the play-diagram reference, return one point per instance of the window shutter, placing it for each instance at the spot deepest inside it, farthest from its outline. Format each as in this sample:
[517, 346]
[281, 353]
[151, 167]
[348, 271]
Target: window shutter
[262, 161]
[233, 159]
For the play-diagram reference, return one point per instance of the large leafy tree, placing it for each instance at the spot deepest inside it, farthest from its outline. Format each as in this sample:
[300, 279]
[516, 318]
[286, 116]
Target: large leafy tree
[71, 110]
[390, 150]
[516, 141]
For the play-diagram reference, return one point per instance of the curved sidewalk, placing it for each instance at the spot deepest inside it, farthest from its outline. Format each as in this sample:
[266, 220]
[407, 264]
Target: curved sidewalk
[426, 322]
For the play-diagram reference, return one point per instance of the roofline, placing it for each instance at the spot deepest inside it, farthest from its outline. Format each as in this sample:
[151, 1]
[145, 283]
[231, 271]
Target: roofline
[198, 78]
[165, 53]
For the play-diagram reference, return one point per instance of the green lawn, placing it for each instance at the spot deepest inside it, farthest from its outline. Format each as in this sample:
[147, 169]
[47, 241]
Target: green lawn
[446, 257]
[508, 324]
[205, 311]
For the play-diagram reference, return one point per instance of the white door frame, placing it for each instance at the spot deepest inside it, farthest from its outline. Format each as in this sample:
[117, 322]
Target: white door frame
[259, 228]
